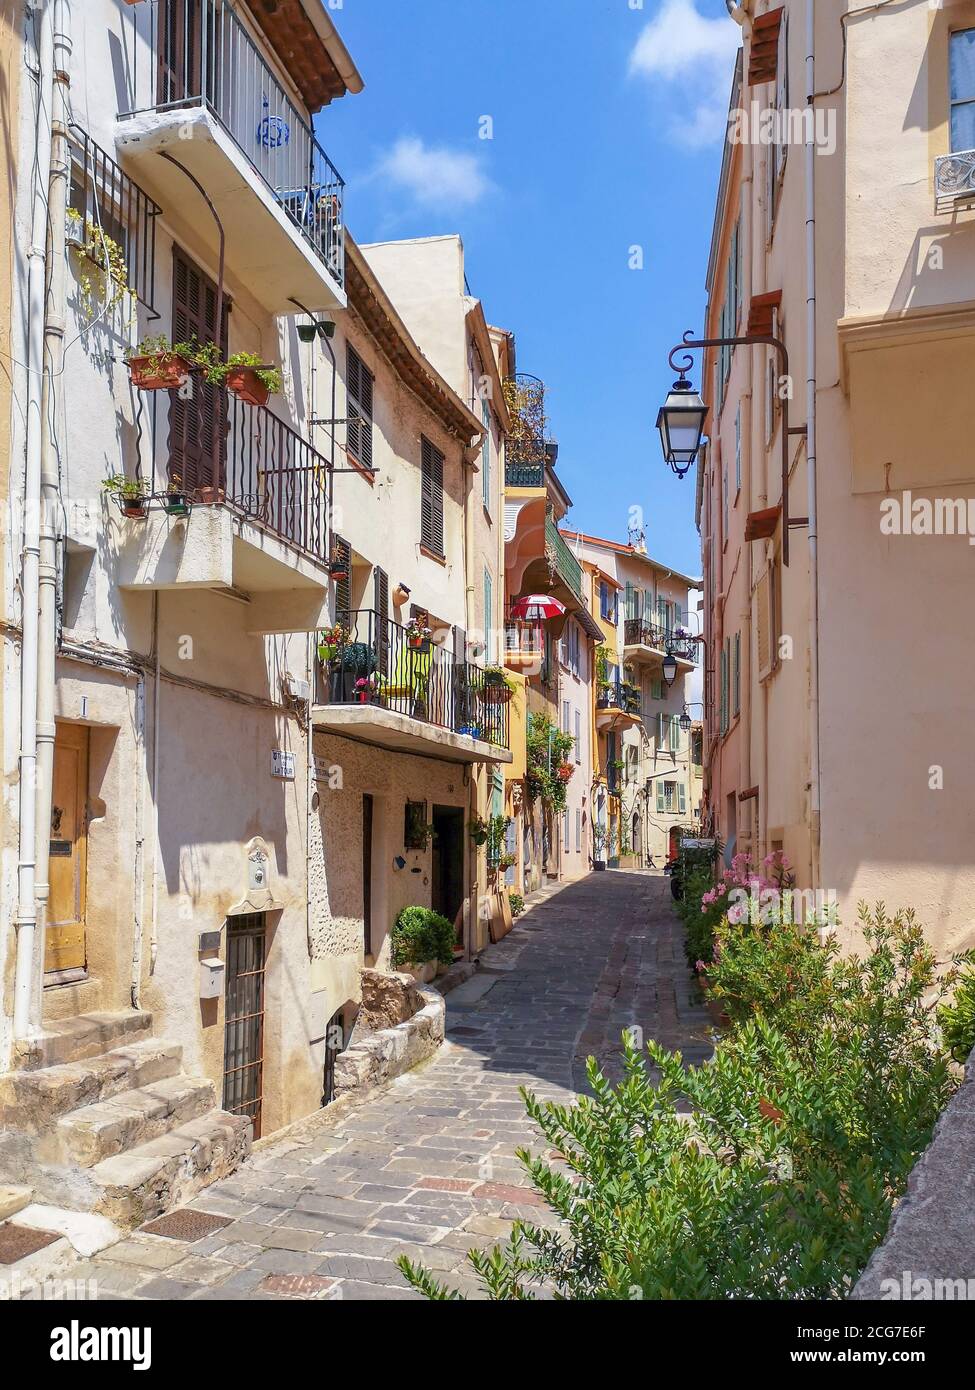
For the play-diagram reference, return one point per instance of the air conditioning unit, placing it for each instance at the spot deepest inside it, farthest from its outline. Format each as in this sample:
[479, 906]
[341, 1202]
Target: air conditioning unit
[954, 180]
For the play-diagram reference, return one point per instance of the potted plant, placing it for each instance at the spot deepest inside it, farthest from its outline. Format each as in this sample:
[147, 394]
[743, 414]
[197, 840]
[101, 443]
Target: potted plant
[338, 568]
[330, 640]
[176, 503]
[477, 828]
[418, 634]
[365, 689]
[250, 379]
[496, 687]
[210, 495]
[599, 838]
[130, 492]
[564, 772]
[507, 861]
[422, 943]
[158, 365]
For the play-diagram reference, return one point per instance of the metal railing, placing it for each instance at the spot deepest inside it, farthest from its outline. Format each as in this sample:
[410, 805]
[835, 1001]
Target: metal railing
[187, 53]
[380, 663]
[638, 633]
[567, 567]
[111, 204]
[223, 449]
[620, 696]
[524, 474]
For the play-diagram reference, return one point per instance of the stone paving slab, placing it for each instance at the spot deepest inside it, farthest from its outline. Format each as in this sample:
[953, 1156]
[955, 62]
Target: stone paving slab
[427, 1167]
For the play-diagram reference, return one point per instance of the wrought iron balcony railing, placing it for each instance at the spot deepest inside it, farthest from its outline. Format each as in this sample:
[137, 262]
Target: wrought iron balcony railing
[639, 633]
[379, 663]
[524, 474]
[220, 449]
[187, 53]
[567, 567]
[621, 697]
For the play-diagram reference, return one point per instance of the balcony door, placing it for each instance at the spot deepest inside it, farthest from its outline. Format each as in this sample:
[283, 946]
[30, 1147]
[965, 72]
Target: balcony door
[198, 424]
[189, 34]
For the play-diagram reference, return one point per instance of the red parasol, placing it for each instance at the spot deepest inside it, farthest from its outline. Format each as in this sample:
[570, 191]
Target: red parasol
[536, 608]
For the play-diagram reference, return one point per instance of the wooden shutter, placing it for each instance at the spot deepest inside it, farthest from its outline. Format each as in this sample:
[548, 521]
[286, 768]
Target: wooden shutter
[431, 497]
[486, 455]
[198, 426]
[358, 386]
[380, 585]
[763, 609]
[660, 796]
[342, 553]
[681, 798]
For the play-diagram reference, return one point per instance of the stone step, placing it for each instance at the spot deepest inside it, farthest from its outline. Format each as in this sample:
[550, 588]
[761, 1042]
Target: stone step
[84, 1137]
[85, 1035]
[148, 1180]
[31, 1100]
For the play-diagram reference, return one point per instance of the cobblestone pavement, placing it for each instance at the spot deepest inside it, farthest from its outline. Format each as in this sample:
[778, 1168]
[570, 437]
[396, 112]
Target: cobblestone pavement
[427, 1167]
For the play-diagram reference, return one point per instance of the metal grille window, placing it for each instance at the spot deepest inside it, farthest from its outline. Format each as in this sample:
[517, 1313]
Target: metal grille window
[358, 384]
[108, 210]
[243, 1049]
[431, 497]
[962, 77]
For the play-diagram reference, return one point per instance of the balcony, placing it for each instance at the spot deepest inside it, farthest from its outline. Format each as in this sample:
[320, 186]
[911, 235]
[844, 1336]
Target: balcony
[648, 644]
[414, 696]
[524, 475]
[559, 556]
[524, 648]
[257, 518]
[202, 93]
[619, 705]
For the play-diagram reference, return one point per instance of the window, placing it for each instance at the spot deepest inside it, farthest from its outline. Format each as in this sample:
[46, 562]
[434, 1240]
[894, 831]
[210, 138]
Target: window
[961, 64]
[738, 451]
[565, 832]
[566, 717]
[776, 152]
[578, 830]
[607, 602]
[736, 675]
[681, 799]
[724, 504]
[723, 718]
[668, 732]
[358, 385]
[657, 689]
[667, 798]
[431, 497]
[486, 455]
[578, 736]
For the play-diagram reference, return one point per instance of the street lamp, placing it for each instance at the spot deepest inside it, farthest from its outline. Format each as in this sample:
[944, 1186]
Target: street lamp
[670, 668]
[680, 421]
[685, 719]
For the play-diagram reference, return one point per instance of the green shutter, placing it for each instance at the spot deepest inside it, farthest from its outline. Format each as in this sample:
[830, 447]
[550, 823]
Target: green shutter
[681, 799]
[660, 796]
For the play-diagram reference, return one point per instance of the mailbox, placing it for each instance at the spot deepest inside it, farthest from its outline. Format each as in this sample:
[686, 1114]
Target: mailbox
[211, 978]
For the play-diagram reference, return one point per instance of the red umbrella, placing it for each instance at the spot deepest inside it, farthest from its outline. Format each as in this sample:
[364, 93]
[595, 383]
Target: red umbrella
[536, 608]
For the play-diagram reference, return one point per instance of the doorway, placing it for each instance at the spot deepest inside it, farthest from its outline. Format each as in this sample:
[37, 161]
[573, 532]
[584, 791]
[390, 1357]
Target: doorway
[64, 944]
[198, 426]
[243, 1036]
[447, 869]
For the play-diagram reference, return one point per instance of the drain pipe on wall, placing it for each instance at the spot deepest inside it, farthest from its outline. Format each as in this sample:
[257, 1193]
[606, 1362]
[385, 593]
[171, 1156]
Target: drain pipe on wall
[810, 182]
[30, 565]
[51, 508]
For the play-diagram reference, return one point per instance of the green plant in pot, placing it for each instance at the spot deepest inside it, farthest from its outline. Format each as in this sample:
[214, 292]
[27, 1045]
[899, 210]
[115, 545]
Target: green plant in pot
[176, 502]
[156, 364]
[130, 492]
[600, 836]
[250, 379]
[496, 687]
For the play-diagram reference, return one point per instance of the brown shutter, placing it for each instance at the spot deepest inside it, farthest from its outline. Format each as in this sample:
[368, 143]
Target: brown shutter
[763, 624]
[381, 603]
[358, 387]
[342, 553]
[198, 426]
[431, 497]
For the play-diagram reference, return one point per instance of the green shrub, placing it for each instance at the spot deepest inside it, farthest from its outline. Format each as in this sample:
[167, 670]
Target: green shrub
[957, 1019]
[516, 903]
[421, 935]
[781, 1180]
[699, 920]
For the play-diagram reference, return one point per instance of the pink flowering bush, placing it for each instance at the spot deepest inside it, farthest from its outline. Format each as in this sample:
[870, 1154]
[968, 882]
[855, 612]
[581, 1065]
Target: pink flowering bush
[744, 893]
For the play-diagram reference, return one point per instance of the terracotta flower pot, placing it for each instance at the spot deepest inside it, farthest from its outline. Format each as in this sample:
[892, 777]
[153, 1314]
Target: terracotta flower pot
[165, 372]
[247, 386]
[210, 496]
[134, 507]
[496, 694]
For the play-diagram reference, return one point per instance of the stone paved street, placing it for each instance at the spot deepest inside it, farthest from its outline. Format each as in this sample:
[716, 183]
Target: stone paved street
[427, 1166]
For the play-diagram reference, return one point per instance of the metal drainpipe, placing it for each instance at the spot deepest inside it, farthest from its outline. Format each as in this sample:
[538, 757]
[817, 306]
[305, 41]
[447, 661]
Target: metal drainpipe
[23, 1020]
[810, 182]
[50, 512]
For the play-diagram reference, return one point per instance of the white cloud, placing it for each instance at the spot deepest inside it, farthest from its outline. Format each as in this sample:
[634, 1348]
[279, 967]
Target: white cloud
[680, 46]
[433, 174]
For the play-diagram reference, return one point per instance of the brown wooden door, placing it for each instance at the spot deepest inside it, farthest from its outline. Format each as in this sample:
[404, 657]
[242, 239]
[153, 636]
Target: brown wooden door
[178, 44]
[64, 946]
[198, 424]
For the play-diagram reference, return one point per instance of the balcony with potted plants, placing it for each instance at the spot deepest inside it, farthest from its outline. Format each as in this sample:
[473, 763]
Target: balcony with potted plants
[648, 643]
[618, 704]
[225, 494]
[403, 687]
[210, 94]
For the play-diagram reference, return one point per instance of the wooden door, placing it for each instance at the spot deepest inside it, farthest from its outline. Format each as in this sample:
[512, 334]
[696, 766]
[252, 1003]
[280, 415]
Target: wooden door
[64, 946]
[197, 424]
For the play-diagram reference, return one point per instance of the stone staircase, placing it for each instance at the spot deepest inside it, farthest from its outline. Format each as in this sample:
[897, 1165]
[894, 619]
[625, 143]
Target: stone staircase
[100, 1116]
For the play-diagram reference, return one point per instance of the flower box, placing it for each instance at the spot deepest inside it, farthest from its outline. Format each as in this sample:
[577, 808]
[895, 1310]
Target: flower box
[247, 386]
[163, 372]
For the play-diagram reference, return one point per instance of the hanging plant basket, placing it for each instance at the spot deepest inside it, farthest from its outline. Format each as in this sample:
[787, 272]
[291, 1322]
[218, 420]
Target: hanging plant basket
[133, 507]
[247, 386]
[495, 693]
[162, 372]
[176, 504]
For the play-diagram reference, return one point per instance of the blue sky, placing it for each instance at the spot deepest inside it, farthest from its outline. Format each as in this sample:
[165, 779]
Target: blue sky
[608, 118]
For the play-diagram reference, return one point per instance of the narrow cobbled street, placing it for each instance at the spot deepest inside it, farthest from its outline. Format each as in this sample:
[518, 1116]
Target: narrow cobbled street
[428, 1166]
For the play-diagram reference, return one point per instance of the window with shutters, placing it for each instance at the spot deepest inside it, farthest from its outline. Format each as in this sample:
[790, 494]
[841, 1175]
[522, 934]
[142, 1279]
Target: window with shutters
[488, 616]
[723, 720]
[962, 89]
[431, 498]
[578, 830]
[766, 620]
[660, 797]
[681, 799]
[738, 450]
[736, 675]
[565, 832]
[358, 384]
[486, 455]
[657, 689]
[380, 585]
[197, 425]
[578, 737]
